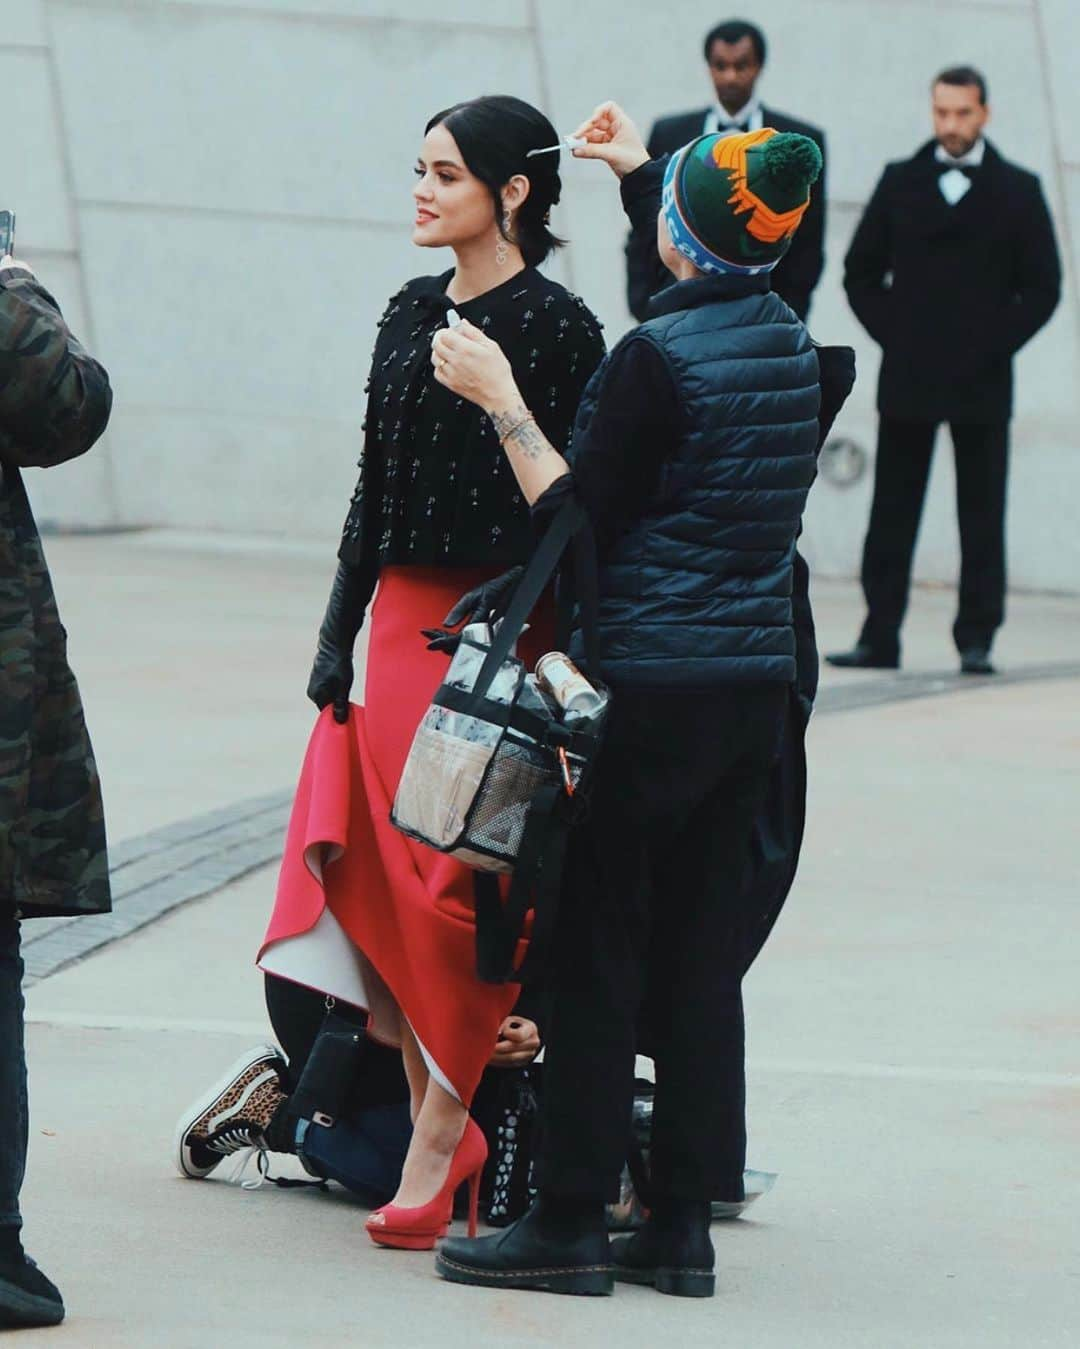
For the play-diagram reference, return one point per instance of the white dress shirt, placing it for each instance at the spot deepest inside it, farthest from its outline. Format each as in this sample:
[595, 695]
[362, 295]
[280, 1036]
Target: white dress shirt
[954, 185]
[719, 120]
[971, 160]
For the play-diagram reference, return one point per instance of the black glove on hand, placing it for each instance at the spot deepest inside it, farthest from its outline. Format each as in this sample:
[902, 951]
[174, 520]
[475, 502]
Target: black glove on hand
[483, 602]
[332, 673]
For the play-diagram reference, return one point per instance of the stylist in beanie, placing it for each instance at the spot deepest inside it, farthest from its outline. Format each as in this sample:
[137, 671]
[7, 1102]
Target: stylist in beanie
[693, 452]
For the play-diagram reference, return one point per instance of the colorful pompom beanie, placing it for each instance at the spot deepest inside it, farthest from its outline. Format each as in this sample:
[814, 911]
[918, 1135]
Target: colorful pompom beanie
[733, 203]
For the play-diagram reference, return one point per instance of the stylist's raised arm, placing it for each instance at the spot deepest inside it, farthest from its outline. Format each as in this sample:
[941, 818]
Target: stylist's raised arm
[612, 136]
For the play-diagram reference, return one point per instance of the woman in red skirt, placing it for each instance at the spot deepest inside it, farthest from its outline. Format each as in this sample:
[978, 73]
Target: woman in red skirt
[362, 912]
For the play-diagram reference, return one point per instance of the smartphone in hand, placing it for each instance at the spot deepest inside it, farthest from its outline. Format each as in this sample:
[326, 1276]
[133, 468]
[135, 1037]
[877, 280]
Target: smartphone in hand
[7, 232]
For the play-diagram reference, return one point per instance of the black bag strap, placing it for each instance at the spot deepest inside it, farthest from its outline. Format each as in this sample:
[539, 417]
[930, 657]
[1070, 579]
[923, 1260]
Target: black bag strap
[490, 929]
[535, 885]
[538, 573]
[541, 888]
[542, 730]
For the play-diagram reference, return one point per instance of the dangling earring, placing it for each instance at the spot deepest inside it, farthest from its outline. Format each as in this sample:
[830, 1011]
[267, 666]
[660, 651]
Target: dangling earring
[502, 251]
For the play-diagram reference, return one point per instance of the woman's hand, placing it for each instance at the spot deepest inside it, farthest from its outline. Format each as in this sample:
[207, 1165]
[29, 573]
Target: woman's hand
[614, 138]
[518, 1043]
[471, 365]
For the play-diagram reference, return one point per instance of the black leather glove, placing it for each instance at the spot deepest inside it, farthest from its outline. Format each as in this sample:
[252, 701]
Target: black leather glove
[478, 605]
[332, 673]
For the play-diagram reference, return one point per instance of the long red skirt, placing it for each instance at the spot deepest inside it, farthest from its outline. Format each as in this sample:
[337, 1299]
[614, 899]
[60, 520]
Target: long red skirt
[407, 909]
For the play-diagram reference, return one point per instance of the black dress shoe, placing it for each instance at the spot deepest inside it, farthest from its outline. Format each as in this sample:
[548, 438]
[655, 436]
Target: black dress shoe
[864, 657]
[976, 660]
[27, 1297]
[535, 1252]
[672, 1253]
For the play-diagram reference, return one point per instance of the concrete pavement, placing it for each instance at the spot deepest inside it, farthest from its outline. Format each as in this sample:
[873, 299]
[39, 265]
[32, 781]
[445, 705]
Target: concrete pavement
[913, 1023]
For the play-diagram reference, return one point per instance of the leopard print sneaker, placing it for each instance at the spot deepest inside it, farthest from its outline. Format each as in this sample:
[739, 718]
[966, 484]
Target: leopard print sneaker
[233, 1115]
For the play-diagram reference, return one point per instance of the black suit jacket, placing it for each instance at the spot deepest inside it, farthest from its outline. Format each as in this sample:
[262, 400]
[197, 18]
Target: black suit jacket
[794, 276]
[952, 292]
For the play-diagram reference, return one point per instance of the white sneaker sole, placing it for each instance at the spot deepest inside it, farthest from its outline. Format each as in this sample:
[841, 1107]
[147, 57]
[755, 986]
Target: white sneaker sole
[190, 1116]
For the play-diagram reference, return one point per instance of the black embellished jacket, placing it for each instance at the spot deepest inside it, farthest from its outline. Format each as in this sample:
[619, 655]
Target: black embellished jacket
[435, 488]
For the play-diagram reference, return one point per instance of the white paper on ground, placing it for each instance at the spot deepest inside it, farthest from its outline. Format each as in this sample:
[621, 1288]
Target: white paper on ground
[755, 1184]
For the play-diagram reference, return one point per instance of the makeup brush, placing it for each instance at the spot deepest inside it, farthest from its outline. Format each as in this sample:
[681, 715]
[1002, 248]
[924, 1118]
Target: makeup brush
[567, 143]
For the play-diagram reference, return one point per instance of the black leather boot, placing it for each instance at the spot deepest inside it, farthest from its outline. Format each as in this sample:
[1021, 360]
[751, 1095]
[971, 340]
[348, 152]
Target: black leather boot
[862, 656]
[27, 1297]
[556, 1247]
[975, 660]
[672, 1253]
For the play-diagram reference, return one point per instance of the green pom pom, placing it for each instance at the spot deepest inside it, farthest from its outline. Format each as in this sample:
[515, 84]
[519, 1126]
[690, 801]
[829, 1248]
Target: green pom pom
[793, 162]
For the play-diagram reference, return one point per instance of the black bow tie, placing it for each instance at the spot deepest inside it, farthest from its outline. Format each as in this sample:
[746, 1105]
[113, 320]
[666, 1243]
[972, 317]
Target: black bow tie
[741, 127]
[968, 170]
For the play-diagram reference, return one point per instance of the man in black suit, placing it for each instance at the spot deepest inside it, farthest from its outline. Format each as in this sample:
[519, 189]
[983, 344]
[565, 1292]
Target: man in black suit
[954, 266]
[735, 54]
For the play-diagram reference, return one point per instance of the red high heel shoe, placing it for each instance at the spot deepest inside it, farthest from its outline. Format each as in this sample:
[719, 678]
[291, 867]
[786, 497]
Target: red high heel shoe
[418, 1229]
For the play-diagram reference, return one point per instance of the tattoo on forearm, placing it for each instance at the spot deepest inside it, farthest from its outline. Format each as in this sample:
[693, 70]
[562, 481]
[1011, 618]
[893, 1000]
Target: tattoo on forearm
[530, 441]
[504, 422]
[517, 430]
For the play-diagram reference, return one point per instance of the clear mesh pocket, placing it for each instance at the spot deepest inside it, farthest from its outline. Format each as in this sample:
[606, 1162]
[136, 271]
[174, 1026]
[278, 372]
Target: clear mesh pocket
[498, 819]
[517, 773]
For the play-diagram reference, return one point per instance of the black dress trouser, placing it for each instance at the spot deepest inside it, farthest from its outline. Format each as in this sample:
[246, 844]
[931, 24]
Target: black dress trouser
[904, 452]
[651, 916]
[14, 1115]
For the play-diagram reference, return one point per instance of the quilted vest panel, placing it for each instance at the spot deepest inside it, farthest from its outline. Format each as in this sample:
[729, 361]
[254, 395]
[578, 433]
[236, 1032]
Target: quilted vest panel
[698, 592]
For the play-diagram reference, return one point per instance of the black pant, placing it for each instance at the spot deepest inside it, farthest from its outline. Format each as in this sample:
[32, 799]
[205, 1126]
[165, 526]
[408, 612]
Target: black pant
[651, 915]
[904, 453]
[13, 1107]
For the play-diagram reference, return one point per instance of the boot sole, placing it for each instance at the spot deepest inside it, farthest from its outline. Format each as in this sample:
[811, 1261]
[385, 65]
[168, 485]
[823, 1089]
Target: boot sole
[674, 1282]
[862, 664]
[583, 1280]
[192, 1114]
[20, 1310]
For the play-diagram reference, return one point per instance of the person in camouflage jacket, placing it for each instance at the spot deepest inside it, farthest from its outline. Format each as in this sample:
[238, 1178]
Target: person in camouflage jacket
[54, 404]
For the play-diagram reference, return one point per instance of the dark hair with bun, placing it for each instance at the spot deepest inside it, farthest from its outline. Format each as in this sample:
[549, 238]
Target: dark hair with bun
[494, 135]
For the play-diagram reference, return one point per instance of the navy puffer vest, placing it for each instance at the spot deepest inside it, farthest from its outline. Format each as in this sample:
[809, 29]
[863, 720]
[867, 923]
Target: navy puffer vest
[698, 592]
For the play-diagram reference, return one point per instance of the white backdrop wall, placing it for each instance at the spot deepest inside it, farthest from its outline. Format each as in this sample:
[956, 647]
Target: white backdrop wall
[217, 191]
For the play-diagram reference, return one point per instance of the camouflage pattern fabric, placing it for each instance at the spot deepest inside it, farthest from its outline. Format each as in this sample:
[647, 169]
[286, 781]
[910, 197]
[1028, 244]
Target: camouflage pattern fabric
[54, 403]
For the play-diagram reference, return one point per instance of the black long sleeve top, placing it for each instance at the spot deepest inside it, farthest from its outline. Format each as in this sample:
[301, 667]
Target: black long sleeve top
[435, 487]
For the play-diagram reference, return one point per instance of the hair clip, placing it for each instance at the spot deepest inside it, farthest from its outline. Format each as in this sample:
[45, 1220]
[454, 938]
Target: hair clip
[567, 143]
